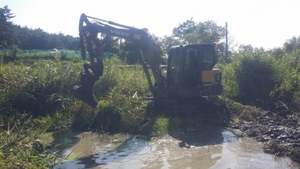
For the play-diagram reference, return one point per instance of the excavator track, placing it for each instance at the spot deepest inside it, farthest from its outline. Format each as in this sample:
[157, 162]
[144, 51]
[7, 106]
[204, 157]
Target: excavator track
[180, 105]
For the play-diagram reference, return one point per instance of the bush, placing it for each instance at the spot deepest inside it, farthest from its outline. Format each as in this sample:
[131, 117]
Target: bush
[288, 89]
[250, 79]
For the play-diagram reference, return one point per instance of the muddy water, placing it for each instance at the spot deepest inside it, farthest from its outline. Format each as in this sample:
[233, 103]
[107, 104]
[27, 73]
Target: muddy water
[198, 147]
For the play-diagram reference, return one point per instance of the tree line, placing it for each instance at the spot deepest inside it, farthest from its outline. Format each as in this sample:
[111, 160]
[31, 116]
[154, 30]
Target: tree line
[187, 32]
[26, 38]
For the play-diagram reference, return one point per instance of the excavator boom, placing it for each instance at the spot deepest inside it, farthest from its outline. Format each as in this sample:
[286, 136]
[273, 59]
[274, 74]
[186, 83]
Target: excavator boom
[138, 36]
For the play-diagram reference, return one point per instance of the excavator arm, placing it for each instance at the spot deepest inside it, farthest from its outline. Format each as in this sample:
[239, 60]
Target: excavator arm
[138, 36]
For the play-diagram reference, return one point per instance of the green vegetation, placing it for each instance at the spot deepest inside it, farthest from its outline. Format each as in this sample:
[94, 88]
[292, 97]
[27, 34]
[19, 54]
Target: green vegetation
[265, 79]
[36, 96]
[36, 99]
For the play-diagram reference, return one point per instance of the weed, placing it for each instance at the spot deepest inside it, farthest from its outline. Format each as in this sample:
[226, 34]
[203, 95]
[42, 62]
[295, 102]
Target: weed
[161, 125]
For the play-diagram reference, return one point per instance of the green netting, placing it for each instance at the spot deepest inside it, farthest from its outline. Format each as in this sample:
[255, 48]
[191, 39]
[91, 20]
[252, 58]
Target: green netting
[54, 53]
[66, 54]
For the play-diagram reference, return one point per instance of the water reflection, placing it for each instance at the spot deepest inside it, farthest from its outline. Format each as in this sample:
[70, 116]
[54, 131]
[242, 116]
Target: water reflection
[199, 147]
[200, 135]
[93, 151]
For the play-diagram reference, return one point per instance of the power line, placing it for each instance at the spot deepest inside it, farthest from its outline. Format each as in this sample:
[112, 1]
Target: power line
[259, 9]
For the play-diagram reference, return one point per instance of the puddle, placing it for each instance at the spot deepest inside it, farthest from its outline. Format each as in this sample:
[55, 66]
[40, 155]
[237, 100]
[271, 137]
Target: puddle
[202, 147]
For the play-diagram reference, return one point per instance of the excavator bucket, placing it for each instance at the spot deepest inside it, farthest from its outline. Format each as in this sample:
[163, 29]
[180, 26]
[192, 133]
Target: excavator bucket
[85, 97]
[84, 91]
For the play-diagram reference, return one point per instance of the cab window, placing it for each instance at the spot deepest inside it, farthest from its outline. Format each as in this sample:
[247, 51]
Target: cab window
[208, 57]
[174, 63]
[191, 59]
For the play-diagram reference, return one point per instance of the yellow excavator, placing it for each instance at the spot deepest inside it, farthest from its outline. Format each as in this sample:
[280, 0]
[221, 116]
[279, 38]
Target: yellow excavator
[190, 71]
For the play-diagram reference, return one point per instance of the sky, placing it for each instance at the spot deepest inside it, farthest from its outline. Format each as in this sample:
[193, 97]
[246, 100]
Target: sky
[260, 23]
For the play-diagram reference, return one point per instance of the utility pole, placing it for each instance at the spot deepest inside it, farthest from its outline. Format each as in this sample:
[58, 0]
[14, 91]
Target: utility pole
[226, 48]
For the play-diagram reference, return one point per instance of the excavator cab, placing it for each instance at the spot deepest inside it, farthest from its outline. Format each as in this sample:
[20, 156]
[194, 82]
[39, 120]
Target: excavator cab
[190, 71]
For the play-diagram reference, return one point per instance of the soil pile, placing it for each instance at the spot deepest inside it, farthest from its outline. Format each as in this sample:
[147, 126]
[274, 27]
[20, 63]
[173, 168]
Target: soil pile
[280, 133]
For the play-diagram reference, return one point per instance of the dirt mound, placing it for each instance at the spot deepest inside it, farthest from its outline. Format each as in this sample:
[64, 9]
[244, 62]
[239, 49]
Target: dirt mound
[280, 133]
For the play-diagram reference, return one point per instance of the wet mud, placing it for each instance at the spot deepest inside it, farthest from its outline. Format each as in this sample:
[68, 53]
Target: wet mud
[202, 147]
[280, 133]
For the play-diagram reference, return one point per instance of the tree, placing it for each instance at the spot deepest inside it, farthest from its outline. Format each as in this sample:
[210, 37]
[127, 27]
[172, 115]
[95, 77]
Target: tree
[160, 49]
[190, 32]
[246, 48]
[184, 28]
[130, 52]
[292, 45]
[204, 32]
[209, 32]
[5, 27]
[169, 41]
[5, 14]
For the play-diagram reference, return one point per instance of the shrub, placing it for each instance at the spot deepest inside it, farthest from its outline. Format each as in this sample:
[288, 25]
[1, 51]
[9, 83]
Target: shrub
[250, 79]
[288, 89]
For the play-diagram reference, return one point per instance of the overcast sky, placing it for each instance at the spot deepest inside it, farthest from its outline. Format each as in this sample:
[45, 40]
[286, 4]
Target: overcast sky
[261, 23]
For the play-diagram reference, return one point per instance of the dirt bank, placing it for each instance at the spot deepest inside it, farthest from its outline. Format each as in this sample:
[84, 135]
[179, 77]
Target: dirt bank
[279, 131]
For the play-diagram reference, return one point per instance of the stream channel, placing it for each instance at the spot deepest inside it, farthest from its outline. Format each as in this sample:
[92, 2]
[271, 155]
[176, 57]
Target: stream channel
[200, 147]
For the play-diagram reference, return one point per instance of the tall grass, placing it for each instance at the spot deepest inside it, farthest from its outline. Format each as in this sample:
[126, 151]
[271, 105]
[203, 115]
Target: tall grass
[40, 88]
[36, 98]
[32, 100]
[121, 90]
